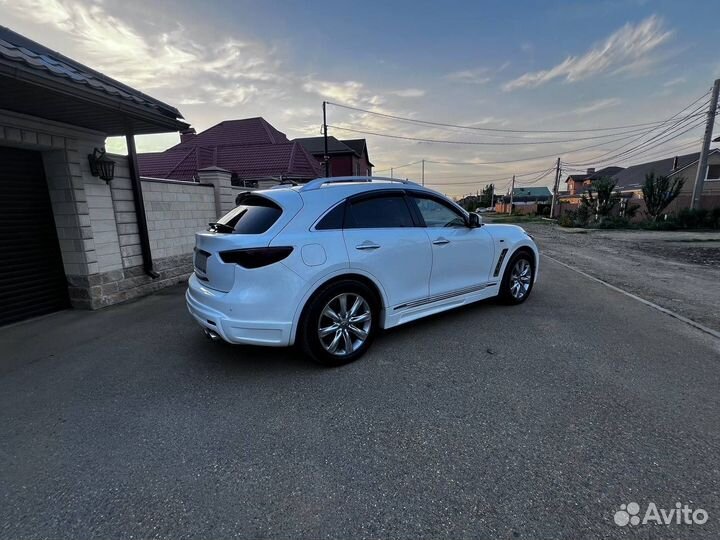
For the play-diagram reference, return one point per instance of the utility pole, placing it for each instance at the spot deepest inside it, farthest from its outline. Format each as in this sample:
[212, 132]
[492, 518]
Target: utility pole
[423, 172]
[512, 190]
[391, 172]
[326, 157]
[702, 162]
[555, 189]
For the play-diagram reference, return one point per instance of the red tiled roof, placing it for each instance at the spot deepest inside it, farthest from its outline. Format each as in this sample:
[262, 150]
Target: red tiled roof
[250, 148]
[237, 132]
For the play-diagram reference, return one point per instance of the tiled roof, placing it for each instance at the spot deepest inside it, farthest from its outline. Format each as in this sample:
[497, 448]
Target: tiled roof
[532, 192]
[246, 131]
[33, 56]
[246, 161]
[316, 145]
[250, 148]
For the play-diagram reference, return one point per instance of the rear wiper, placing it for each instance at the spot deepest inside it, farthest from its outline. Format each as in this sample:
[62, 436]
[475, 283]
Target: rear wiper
[221, 227]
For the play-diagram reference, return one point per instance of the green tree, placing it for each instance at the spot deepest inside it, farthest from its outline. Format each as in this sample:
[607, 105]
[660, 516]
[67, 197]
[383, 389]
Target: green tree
[658, 192]
[601, 198]
[486, 197]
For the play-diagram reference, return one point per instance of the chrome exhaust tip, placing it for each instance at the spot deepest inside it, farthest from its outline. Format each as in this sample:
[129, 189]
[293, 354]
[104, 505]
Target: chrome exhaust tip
[212, 335]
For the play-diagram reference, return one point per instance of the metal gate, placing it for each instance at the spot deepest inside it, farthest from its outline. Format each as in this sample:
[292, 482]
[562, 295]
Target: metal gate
[32, 278]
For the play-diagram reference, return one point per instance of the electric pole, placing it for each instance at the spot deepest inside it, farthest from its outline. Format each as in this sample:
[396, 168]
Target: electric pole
[423, 172]
[326, 157]
[702, 162]
[391, 172]
[512, 191]
[555, 189]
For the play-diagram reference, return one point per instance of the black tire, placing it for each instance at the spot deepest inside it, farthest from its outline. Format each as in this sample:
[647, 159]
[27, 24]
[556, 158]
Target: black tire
[314, 317]
[507, 294]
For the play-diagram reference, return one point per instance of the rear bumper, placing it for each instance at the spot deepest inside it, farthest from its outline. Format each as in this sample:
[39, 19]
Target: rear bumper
[202, 303]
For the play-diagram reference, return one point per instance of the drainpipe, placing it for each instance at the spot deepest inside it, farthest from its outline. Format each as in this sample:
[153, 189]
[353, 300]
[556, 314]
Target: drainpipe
[139, 206]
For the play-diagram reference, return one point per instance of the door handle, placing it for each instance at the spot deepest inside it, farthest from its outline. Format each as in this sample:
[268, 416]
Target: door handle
[441, 241]
[367, 246]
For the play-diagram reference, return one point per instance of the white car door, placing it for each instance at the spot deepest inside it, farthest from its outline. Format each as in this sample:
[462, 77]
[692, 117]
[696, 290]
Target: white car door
[462, 256]
[382, 240]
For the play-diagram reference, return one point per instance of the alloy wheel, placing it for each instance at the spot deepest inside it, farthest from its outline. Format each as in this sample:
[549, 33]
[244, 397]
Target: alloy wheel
[344, 324]
[520, 278]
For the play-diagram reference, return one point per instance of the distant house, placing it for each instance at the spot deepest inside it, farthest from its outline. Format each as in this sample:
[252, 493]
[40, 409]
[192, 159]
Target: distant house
[257, 155]
[576, 183]
[631, 179]
[347, 157]
[525, 200]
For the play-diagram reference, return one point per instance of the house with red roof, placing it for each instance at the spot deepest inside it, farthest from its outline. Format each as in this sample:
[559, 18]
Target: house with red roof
[347, 157]
[257, 155]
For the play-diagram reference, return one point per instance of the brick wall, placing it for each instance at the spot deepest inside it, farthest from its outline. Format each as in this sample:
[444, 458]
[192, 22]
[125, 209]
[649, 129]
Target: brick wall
[96, 222]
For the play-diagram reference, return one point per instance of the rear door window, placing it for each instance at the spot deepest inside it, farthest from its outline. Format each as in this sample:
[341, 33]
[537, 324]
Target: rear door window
[382, 212]
[254, 215]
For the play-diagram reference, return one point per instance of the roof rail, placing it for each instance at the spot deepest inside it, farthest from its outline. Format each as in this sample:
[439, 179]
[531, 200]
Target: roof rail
[319, 182]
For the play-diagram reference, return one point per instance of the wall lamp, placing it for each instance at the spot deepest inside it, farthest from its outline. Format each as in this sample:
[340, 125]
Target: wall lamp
[100, 165]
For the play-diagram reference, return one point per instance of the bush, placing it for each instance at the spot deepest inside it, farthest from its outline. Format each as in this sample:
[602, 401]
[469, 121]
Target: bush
[666, 225]
[688, 218]
[715, 217]
[613, 222]
[567, 219]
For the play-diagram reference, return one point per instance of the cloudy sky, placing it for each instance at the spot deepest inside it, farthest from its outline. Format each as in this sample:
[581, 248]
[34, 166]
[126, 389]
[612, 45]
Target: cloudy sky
[554, 65]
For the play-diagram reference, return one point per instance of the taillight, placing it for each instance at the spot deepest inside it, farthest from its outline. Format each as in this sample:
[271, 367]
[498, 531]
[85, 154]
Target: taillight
[255, 257]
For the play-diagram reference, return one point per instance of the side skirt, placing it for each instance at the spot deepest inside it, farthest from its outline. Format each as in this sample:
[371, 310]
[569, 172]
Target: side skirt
[438, 303]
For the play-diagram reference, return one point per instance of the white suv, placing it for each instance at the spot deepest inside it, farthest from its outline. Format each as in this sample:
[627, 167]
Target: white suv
[329, 263]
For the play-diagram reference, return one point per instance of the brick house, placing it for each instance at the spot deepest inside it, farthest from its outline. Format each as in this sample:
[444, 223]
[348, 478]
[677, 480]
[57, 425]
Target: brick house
[256, 154]
[576, 183]
[347, 157]
[631, 179]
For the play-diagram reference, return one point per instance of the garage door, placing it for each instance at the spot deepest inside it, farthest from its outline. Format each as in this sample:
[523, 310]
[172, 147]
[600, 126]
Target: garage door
[32, 279]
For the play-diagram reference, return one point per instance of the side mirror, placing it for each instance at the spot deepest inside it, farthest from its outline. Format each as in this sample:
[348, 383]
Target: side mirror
[474, 220]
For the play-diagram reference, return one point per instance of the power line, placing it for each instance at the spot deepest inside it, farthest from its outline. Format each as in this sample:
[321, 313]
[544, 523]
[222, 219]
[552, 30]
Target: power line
[677, 122]
[484, 143]
[399, 166]
[501, 130]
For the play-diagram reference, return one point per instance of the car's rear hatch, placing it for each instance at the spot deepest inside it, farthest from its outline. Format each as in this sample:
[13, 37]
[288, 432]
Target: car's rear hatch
[259, 217]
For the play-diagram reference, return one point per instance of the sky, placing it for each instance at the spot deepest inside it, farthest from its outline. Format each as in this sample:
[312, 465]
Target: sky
[534, 66]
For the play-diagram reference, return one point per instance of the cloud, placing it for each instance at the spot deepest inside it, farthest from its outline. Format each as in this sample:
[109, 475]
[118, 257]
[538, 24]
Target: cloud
[673, 82]
[626, 50]
[409, 92]
[224, 73]
[598, 105]
[346, 92]
[470, 76]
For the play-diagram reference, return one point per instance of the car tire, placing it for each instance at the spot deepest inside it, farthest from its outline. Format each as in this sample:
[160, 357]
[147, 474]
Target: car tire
[518, 279]
[331, 333]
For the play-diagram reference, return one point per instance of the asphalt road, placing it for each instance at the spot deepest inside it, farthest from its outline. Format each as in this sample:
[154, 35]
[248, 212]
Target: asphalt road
[490, 422]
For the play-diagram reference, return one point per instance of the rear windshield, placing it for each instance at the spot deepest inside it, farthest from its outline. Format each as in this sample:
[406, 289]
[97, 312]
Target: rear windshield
[254, 215]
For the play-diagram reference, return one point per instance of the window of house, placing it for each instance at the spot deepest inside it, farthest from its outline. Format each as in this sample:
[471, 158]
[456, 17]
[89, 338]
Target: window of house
[437, 214]
[388, 211]
[713, 172]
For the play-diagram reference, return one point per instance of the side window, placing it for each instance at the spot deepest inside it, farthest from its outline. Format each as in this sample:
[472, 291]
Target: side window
[333, 219]
[379, 213]
[713, 172]
[437, 214]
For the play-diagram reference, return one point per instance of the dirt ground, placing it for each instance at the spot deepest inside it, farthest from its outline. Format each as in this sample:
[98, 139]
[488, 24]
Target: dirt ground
[678, 270]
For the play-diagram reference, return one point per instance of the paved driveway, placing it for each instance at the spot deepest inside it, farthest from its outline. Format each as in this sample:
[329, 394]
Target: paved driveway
[489, 421]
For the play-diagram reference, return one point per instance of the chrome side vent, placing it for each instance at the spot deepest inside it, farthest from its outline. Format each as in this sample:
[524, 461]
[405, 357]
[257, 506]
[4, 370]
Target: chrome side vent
[498, 266]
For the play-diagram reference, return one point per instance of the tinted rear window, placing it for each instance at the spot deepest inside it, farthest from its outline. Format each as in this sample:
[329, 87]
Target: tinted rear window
[333, 219]
[379, 212]
[254, 215]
